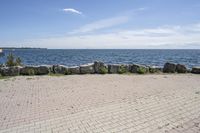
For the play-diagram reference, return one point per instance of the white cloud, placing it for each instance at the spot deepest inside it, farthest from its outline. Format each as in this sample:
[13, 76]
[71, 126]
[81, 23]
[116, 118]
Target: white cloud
[71, 10]
[107, 22]
[101, 24]
[186, 36]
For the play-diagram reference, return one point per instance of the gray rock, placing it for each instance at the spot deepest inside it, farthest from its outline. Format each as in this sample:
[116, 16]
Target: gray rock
[28, 70]
[155, 69]
[181, 68]
[113, 68]
[42, 70]
[196, 70]
[141, 69]
[35, 70]
[124, 68]
[51, 69]
[60, 69]
[10, 71]
[87, 68]
[74, 70]
[169, 68]
[100, 67]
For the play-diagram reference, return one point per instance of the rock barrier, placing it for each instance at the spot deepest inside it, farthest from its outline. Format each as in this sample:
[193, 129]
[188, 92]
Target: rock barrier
[96, 68]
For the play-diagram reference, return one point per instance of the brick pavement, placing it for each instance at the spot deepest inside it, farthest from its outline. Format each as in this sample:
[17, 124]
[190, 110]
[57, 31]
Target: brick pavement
[95, 103]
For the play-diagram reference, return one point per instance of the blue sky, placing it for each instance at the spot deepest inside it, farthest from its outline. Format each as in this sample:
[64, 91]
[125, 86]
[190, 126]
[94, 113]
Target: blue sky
[100, 24]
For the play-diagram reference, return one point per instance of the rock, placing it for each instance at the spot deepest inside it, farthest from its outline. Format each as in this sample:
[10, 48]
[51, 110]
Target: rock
[181, 68]
[141, 69]
[10, 71]
[27, 70]
[196, 70]
[60, 69]
[100, 67]
[119, 68]
[113, 68]
[35, 70]
[155, 69]
[169, 68]
[87, 68]
[74, 70]
[42, 70]
[124, 68]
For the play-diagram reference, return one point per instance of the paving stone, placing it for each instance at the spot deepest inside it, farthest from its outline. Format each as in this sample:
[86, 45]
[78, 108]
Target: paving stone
[40, 107]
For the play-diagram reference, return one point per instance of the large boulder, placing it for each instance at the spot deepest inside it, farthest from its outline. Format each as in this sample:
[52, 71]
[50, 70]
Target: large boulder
[169, 68]
[113, 68]
[100, 67]
[155, 69]
[124, 68]
[87, 68]
[28, 70]
[42, 70]
[141, 69]
[119, 68]
[35, 70]
[10, 71]
[74, 70]
[60, 69]
[181, 68]
[196, 70]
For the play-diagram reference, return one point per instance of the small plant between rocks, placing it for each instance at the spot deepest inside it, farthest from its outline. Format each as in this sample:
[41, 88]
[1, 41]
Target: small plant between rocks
[122, 70]
[142, 70]
[103, 70]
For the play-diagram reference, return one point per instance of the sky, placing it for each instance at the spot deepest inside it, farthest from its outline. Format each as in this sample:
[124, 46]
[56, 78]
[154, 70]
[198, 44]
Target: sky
[100, 24]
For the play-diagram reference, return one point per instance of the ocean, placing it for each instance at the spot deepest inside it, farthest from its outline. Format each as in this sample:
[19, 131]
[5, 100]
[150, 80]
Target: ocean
[73, 57]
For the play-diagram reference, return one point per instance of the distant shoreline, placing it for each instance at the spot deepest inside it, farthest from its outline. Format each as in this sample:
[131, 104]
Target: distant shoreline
[7, 48]
[10, 48]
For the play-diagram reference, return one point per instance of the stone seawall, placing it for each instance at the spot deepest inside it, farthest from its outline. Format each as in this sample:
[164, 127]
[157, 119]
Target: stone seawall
[96, 68]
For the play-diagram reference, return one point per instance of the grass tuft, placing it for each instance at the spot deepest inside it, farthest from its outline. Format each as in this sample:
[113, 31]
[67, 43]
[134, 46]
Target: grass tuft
[103, 70]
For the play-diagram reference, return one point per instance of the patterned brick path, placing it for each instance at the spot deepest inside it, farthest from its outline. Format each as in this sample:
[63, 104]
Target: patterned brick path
[101, 103]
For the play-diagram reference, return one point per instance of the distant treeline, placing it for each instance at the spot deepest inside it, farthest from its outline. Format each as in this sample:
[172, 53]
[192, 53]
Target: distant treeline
[7, 48]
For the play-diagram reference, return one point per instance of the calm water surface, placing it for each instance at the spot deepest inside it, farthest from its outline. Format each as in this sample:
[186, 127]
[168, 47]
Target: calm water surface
[77, 57]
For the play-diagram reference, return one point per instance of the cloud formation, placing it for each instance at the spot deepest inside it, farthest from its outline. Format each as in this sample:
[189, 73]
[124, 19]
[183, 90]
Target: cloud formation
[162, 37]
[101, 24]
[187, 36]
[71, 10]
[107, 22]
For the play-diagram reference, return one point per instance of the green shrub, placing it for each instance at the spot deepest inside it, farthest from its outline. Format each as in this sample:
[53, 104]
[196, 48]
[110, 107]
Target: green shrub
[142, 70]
[18, 62]
[122, 69]
[11, 61]
[103, 70]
